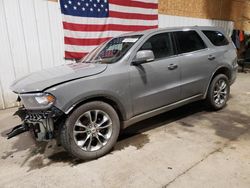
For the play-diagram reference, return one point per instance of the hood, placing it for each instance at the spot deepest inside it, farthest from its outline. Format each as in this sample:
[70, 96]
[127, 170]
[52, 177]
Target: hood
[39, 81]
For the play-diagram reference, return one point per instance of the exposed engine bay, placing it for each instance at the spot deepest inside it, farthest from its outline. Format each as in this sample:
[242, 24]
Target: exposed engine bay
[40, 123]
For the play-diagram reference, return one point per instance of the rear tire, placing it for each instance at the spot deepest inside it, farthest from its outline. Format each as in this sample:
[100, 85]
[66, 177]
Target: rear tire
[91, 131]
[218, 92]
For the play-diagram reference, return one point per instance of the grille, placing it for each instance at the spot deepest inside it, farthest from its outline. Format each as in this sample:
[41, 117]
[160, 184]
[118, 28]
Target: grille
[36, 116]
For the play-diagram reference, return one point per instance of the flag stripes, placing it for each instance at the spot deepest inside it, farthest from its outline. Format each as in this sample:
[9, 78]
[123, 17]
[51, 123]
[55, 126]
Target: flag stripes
[84, 33]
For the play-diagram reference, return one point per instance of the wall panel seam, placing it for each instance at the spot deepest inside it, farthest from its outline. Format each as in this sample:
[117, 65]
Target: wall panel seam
[51, 43]
[25, 40]
[8, 36]
[39, 45]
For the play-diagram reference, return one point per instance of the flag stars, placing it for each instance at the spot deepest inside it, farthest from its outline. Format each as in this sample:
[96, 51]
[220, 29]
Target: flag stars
[95, 8]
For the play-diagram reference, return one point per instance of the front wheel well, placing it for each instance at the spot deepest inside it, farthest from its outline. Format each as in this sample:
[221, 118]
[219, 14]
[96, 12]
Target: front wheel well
[102, 99]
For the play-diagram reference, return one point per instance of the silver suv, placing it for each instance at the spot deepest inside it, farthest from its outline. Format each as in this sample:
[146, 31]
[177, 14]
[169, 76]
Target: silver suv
[125, 80]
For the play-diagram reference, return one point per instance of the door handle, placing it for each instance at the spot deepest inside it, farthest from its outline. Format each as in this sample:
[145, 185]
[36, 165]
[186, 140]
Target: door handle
[172, 66]
[211, 57]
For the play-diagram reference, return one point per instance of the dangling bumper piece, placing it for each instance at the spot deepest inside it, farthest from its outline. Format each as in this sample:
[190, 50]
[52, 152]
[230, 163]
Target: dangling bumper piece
[18, 130]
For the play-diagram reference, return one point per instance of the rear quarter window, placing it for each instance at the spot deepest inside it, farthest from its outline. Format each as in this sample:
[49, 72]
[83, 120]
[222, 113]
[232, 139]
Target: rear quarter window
[216, 37]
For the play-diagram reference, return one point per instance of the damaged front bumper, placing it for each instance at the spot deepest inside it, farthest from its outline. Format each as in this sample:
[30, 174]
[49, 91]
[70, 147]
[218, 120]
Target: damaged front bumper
[40, 123]
[18, 130]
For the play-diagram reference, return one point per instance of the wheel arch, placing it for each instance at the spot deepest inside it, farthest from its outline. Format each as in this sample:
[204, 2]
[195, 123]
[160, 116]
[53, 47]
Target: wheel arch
[221, 70]
[107, 99]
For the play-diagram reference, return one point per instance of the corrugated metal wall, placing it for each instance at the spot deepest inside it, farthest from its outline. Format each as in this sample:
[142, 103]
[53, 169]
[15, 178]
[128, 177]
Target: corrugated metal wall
[31, 39]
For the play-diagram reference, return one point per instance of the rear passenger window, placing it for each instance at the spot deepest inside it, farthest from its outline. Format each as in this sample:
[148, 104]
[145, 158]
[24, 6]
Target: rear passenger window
[189, 41]
[160, 44]
[216, 37]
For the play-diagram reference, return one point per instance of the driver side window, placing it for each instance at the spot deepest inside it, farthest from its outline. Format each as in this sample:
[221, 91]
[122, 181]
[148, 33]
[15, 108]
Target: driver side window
[160, 44]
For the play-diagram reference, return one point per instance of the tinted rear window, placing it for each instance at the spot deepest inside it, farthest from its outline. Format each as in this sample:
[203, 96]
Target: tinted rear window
[189, 41]
[216, 37]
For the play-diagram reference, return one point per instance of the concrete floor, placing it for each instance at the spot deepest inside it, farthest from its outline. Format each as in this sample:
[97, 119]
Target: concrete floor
[187, 147]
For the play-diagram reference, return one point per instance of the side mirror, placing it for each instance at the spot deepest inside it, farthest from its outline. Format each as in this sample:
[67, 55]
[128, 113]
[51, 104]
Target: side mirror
[143, 56]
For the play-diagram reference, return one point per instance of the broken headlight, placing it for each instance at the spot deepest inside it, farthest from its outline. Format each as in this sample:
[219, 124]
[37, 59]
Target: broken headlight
[37, 101]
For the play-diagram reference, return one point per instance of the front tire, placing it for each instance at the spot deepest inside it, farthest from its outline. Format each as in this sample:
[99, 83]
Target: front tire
[218, 92]
[91, 130]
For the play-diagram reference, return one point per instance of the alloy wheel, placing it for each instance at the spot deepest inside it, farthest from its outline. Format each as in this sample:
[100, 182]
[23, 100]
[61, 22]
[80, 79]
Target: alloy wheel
[92, 130]
[220, 92]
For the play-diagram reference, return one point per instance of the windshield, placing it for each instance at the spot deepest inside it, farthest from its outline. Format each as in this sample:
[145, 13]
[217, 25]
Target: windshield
[111, 51]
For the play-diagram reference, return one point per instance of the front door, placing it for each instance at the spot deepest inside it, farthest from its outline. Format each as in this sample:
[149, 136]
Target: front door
[156, 83]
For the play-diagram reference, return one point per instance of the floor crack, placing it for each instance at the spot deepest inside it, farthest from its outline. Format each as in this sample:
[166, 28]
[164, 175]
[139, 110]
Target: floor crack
[195, 164]
[198, 162]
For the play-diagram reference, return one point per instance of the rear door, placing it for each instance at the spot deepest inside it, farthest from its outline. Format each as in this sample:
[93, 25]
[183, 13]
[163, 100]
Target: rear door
[223, 51]
[195, 63]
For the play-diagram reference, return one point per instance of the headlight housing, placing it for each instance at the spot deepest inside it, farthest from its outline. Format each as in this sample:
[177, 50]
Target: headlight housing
[37, 101]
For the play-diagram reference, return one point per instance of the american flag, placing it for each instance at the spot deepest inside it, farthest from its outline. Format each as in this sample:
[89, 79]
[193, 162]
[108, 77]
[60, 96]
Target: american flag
[88, 23]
